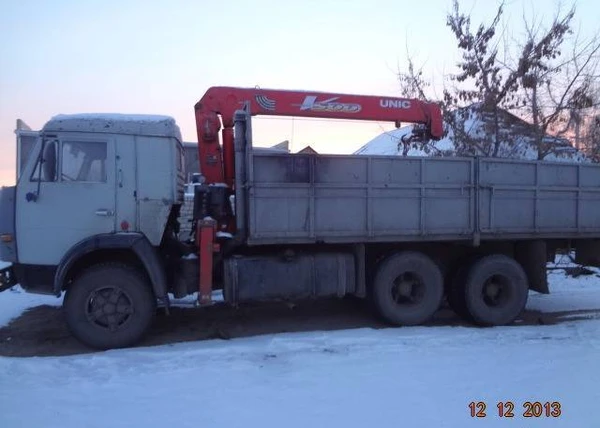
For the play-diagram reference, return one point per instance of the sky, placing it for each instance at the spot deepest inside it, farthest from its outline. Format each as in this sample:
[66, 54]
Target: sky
[159, 57]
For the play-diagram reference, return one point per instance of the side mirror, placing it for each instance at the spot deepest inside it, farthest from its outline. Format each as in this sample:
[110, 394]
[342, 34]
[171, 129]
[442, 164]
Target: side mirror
[49, 161]
[46, 167]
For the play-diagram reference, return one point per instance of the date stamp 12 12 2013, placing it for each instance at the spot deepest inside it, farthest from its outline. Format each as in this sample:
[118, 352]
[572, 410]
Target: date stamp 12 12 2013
[508, 409]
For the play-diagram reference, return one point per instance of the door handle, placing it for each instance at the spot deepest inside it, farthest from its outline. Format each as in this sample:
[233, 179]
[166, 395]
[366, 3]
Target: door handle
[104, 213]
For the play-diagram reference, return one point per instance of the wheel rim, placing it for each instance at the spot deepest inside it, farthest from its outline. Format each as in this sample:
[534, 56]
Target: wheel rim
[408, 289]
[109, 308]
[496, 291]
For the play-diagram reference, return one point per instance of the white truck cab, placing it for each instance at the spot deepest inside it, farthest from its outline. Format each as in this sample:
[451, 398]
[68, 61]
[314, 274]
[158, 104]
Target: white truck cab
[87, 182]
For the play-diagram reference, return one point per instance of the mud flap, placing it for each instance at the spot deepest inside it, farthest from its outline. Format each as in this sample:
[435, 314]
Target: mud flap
[532, 257]
[587, 252]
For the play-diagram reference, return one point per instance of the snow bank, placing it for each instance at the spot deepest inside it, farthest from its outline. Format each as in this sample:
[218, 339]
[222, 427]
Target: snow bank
[414, 377]
[358, 378]
[421, 376]
[15, 300]
[568, 293]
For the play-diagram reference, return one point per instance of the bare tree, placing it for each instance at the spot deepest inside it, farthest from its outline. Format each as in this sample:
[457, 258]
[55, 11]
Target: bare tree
[593, 135]
[483, 88]
[414, 85]
[558, 72]
[412, 82]
[544, 77]
[588, 134]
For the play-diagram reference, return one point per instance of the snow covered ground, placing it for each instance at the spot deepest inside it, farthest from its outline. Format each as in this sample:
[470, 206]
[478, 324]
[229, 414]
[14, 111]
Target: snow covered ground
[404, 377]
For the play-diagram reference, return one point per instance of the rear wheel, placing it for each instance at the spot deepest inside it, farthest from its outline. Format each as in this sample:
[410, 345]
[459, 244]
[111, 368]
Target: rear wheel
[408, 289]
[494, 292]
[109, 306]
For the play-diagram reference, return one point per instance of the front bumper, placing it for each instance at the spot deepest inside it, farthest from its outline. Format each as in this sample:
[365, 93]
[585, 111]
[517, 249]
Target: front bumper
[7, 278]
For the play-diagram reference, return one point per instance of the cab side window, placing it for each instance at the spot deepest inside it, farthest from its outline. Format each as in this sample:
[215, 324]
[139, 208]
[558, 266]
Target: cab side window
[83, 161]
[46, 165]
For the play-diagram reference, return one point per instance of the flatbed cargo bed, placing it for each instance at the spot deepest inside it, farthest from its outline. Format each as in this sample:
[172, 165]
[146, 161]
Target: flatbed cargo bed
[297, 198]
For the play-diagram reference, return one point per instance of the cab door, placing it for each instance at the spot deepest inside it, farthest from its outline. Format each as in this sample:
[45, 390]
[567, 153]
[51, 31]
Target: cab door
[64, 195]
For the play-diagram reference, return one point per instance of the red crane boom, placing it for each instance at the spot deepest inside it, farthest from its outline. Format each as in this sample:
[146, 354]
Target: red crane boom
[218, 167]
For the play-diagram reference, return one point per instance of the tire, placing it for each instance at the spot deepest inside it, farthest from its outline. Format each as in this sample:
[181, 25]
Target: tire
[408, 289]
[109, 306]
[495, 291]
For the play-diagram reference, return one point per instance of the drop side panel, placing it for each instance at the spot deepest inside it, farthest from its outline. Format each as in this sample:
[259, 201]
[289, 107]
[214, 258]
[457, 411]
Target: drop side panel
[332, 198]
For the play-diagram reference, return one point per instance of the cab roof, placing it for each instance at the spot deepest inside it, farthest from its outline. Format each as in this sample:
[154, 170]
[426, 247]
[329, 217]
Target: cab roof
[115, 123]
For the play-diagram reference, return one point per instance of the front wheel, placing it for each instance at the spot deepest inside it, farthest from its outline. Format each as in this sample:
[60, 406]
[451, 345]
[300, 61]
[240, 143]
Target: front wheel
[109, 306]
